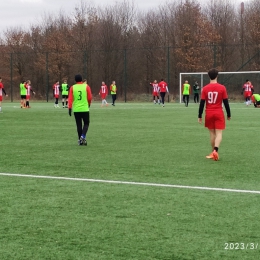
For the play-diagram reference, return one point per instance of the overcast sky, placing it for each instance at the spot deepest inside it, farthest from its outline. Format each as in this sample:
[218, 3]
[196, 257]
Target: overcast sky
[22, 13]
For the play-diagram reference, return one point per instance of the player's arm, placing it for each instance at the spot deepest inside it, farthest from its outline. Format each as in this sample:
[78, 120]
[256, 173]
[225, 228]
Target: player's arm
[201, 108]
[227, 107]
[89, 95]
[70, 99]
[4, 91]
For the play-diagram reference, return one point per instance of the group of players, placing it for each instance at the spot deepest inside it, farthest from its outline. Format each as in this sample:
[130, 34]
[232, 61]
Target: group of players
[64, 90]
[159, 89]
[249, 95]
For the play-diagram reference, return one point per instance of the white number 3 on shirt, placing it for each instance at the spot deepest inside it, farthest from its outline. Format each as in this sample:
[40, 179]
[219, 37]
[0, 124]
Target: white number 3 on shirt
[212, 97]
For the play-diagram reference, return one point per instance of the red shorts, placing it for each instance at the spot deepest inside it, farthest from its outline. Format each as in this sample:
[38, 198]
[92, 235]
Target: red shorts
[103, 96]
[27, 97]
[56, 96]
[215, 121]
[155, 94]
[1, 98]
[247, 94]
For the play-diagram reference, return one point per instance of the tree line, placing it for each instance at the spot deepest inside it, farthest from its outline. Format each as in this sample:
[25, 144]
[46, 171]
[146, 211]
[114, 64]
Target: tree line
[119, 42]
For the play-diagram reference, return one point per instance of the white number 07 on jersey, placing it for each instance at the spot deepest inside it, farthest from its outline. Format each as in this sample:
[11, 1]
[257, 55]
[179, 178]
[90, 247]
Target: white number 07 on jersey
[212, 97]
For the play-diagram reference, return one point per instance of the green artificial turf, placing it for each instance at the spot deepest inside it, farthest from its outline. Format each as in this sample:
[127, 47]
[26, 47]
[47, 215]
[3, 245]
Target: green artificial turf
[136, 142]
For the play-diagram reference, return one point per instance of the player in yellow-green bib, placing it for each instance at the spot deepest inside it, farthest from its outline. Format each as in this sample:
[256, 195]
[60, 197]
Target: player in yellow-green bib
[186, 91]
[256, 100]
[80, 97]
[113, 91]
[64, 93]
[23, 93]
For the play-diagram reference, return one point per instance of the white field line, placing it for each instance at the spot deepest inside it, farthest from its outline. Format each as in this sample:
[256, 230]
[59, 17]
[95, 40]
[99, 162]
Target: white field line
[130, 183]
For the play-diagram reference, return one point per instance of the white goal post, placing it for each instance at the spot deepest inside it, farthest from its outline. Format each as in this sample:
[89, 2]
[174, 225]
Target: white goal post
[203, 79]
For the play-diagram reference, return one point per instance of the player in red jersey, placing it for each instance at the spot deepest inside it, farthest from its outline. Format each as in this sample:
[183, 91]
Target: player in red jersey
[103, 93]
[28, 93]
[213, 95]
[163, 88]
[247, 89]
[155, 92]
[56, 93]
[2, 90]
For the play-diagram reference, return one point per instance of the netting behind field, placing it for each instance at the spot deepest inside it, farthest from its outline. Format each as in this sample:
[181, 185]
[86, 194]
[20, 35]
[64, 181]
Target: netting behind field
[233, 81]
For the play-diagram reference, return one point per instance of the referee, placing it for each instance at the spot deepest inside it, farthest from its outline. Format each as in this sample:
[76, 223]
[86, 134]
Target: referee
[79, 101]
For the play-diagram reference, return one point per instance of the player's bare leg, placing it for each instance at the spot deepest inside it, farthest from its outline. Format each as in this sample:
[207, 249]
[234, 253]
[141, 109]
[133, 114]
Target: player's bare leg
[0, 106]
[212, 135]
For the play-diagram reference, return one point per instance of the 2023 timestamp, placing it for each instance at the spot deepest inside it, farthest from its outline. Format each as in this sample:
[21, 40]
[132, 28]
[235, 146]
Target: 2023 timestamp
[241, 246]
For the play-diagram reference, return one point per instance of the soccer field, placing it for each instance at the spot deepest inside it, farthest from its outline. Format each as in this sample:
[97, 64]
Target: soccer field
[199, 212]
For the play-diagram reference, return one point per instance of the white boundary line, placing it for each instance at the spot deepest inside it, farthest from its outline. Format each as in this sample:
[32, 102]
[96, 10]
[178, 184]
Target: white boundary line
[129, 183]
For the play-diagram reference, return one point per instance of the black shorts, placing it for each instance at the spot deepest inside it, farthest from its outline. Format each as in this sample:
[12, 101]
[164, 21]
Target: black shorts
[64, 96]
[23, 96]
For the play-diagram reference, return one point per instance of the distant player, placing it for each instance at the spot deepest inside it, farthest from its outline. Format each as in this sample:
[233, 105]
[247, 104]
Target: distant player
[23, 93]
[213, 95]
[64, 93]
[163, 88]
[113, 91]
[56, 93]
[155, 92]
[2, 90]
[196, 89]
[186, 91]
[103, 93]
[28, 93]
[247, 91]
[256, 100]
[79, 101]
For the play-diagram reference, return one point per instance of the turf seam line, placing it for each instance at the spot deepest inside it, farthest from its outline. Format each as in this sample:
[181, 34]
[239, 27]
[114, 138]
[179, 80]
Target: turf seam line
[130, 183]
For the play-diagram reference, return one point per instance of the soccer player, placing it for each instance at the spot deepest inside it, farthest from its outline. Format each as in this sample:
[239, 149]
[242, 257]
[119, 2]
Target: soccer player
[186, 91]
[79, 101]
[56, 93]
[155, 91]
[256, 100]
[2, 90]
[103, 93]
[196, 89]
[28, 93]
[113, 91]
[64, 93]
[23, 93]
[163, 88]
[213, 95]
[247, 90]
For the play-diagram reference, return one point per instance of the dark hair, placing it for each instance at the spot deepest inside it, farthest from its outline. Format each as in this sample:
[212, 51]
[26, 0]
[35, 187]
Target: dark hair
[247, 80]
[161, 79]
[78, 78]
[213, 73]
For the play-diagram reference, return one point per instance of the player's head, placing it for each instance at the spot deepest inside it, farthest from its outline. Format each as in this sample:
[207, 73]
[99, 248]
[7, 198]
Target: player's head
[103, 83]
[155, 81]
[186, 81]
[57, 82]
[196, 82]
[78, 78]
[65, 81]
[213, 73]
[161, 79]
[113, 82]
[28, 81]
[247, 80]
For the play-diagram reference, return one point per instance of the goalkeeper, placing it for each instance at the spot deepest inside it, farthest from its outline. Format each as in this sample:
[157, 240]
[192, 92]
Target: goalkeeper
[196, 89]
[256, 100]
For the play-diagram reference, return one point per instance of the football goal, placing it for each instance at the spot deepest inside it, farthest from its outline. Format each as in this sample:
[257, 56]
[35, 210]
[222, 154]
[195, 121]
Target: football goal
[233, 81]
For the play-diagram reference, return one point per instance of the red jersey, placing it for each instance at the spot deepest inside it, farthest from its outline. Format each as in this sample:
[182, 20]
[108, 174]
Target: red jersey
[28, 89]
[163, 86]
[56, 89]
[89, 95]
[103, 90]
[1, 87]
[213, 94]
[155, 87]
[247, 87]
